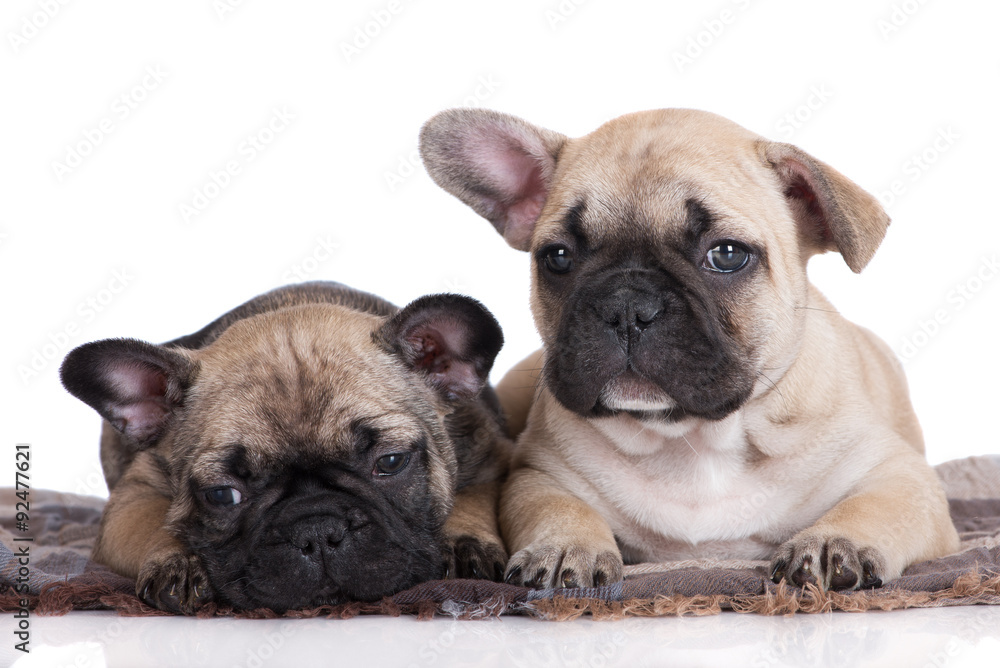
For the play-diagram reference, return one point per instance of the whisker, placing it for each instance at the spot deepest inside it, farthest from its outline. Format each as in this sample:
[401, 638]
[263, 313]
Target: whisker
[771, 384]
[690, 446]
[813, 308]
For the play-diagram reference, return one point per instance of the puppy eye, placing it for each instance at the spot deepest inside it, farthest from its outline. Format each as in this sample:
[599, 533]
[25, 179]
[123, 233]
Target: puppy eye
[557, 260]
[391, 464]
[223, 496]
[727, 257]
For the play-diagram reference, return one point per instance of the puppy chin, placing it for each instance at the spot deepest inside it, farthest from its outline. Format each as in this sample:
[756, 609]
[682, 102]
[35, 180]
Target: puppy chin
[631, 393]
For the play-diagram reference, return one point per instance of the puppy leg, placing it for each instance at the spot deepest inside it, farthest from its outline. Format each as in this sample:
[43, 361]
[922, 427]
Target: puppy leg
[134, 542]
[473, 547]
[556, 539]
[896, 517]
[517, 390]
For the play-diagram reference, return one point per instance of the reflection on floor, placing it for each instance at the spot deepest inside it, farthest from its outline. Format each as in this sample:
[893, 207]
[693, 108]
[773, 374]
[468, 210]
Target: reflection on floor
[953, 637]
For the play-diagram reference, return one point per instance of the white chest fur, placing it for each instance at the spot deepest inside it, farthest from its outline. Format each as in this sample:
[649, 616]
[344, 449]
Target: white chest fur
[683, 491]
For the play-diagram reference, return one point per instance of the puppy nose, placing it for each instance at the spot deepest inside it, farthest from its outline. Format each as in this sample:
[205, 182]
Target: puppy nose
[628, 309]
[315, 537]
[645, 314]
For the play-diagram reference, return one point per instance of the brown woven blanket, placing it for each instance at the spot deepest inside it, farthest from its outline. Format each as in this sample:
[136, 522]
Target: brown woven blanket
[61, 577]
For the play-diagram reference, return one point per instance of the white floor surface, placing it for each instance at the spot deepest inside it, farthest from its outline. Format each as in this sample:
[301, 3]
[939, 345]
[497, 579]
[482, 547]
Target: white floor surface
[952, 637]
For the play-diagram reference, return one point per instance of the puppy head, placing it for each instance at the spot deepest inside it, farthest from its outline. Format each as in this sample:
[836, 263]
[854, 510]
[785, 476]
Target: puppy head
[307, 448]
[669, 250]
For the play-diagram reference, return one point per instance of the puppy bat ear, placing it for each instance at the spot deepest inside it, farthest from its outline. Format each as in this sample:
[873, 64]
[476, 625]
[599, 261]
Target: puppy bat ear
[498, 164]
[133, 385]
[452, 340]
[832, 211]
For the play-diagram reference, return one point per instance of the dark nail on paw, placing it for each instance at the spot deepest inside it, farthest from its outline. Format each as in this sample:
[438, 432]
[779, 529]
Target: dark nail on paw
[804, 574]
[869, 579]
[539, 579]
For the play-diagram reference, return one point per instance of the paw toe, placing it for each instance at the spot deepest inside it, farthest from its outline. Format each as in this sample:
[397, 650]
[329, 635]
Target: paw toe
[548, 567]
[174, 583]
[478, 559]
[833, 564]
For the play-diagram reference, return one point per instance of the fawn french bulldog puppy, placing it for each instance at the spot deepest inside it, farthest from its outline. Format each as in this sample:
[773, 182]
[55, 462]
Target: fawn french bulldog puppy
[312, 446]
[698, 397]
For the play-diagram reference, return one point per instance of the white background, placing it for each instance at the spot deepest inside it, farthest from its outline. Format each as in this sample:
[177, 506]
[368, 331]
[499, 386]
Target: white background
[886, 80]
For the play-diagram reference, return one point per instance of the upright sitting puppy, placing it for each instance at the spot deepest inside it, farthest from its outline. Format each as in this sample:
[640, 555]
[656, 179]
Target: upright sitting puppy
[698, 396]
[311, 446]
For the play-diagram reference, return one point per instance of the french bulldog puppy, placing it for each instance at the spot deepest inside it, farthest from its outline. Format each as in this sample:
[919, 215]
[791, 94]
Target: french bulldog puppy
[698, 397]
[312, 446]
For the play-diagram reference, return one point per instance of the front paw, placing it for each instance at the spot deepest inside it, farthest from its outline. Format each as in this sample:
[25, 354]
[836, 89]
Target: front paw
[548, 567]
[173, 582]
[828, 563]
[475, 557]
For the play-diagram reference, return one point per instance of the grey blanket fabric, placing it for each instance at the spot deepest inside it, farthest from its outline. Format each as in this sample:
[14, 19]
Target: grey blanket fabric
[60, 576]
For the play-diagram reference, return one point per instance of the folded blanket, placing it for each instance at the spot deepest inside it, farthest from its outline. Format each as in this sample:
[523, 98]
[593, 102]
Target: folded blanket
[61, 577]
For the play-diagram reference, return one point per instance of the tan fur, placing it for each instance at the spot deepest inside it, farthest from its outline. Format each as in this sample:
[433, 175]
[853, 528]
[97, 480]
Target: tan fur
[827, 452]
[517, 390]
[318, 367]
[330, 387]
[133, 526]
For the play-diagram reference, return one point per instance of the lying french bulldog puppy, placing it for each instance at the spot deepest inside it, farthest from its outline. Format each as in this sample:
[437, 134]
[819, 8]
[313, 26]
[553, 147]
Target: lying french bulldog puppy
[698, 396]
[312, 446]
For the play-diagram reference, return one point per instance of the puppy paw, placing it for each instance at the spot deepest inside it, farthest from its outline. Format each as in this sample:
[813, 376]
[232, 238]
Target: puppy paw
[173, 582]
[828, 563]
[475, 557]
[552, 567]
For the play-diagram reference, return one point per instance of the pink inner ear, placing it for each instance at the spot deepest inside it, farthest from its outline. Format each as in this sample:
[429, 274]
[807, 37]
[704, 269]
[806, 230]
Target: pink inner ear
[522, 216]
[141, 420]
[800, 188]
[140, 405]
[435, 353]
[134, 380]
[517, 168]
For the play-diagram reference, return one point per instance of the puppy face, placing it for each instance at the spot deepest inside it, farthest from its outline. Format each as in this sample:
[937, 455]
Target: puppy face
[307, 448]
[321, 476]
[655, 292]
[669, 250]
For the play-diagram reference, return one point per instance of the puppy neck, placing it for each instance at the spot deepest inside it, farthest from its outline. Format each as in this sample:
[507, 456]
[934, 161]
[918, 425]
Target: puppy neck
[641, 437]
